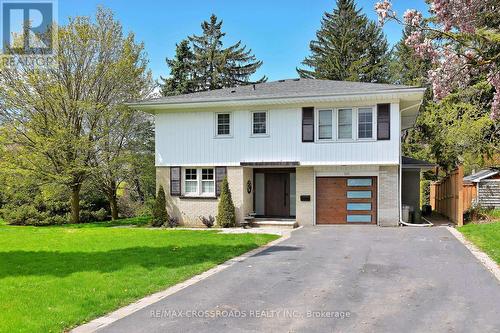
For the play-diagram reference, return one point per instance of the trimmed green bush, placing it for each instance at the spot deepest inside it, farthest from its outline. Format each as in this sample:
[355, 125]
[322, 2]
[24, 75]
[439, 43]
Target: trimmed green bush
[160, 215]
[173, 222]
[226, 217]
[425, 192]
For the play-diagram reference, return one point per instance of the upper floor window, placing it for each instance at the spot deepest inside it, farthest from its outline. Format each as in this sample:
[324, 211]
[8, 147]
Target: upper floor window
[365, 123]
[199, 182]
[259, 123]
[325, 121]
[345, 124]
[223, 124]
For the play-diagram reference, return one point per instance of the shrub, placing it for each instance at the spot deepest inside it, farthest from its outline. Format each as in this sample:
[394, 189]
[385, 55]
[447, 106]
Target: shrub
[425, 192]
[100, 215]
[21, 215]
[29, 215]
[55, 220]
[86, 216]
[160, 215]
[145, 209]
[476, 213]
[127, 207]
[173, 222]
[226, 217]
[208, 222]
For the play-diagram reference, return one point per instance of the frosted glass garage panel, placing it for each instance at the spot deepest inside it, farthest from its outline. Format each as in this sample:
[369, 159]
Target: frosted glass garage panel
[359, 218]
[359, 206]
[359, 194]
[361, 182]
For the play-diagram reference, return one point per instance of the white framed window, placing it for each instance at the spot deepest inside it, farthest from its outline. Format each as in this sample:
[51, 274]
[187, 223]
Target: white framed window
[366, 123]
[199, 182]
[325, 124]
[190, 181]
[207, 181]
[344, 121]
[223, 124]
[260, 123]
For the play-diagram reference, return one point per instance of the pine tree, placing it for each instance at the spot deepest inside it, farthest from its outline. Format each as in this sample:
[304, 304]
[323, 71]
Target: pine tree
[181, 79]
[405, 67]
[218, 67]
[226, 216]
[348, 46]
[160, 215]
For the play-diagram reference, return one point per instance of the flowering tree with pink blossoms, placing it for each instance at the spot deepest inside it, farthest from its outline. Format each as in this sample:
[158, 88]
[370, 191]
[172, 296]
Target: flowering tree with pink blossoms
[461, 39]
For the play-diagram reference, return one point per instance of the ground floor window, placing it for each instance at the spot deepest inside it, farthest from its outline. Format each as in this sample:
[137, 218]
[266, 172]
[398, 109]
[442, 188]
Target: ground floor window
[199, 182]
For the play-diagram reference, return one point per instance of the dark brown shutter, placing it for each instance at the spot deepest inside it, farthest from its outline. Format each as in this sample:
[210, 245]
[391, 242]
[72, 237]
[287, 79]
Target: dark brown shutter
[383, 121]
[308, 124]
[220, 173]
[175, 181]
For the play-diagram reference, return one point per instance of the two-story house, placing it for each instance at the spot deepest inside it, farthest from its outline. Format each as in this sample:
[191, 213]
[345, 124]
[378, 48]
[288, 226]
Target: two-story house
[318, 151]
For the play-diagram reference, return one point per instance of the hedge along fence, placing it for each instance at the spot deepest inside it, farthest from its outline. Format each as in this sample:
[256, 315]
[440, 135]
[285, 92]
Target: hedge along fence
[447, 196]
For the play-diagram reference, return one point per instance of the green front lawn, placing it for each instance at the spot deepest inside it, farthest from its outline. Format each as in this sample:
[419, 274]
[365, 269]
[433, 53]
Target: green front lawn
[485, 236]
[54, 278]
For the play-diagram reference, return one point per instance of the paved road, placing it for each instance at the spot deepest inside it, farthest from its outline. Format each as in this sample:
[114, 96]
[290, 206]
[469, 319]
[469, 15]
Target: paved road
[377, 279]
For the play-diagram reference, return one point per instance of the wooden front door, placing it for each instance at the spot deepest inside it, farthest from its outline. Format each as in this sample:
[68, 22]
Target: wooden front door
[346, 200]
[277, 194]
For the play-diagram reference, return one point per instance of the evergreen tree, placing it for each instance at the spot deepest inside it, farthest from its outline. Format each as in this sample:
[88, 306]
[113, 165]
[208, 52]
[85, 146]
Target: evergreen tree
[405, 67]
[218, 67]
[348, 46]
[181, 72]
[160, 215]
[226, 216]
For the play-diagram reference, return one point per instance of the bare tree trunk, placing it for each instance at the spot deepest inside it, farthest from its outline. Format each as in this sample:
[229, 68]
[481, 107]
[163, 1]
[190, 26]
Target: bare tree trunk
[113, 202]
[75, 203]
[138, 189]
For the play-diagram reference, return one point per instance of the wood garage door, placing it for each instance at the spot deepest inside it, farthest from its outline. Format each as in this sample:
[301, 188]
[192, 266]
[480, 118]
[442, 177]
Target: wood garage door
[346, 200]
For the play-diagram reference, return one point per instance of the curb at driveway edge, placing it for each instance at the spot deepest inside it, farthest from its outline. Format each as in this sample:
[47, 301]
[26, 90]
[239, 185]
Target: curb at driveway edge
[476, 252]
[108, 319]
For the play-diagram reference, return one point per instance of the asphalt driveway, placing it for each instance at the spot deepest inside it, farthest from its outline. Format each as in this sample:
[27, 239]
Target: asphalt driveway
[338, 279]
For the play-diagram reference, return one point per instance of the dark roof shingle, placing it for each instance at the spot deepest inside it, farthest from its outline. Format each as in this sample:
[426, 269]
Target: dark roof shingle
[278, 89]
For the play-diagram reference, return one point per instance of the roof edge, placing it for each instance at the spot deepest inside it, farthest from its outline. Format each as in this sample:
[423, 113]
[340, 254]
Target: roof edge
[478, 179]
[221, 102]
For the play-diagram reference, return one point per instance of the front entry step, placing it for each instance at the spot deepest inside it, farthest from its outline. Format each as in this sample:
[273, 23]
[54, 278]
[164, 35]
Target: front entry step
[285, 224]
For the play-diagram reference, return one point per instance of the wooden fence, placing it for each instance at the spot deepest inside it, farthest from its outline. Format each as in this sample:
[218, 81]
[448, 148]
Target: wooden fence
[470, 193]
[447, 196]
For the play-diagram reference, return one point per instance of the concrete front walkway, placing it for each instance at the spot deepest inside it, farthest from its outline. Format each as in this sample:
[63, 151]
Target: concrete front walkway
[338, 279]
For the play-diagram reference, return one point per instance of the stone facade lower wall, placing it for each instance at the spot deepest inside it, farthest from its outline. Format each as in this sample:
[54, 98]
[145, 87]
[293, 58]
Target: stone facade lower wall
[304, 186]
[388, 210]
[388, 184]
[189, 210]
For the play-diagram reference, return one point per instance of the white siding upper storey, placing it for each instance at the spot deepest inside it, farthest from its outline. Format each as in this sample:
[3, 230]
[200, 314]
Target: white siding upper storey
[305, 121]
[344, 134]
